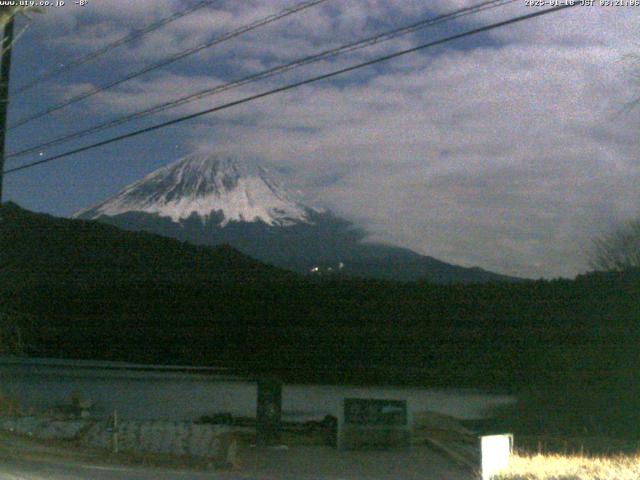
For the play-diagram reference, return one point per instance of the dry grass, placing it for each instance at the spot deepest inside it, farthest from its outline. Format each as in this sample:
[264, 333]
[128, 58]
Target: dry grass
[576, 467]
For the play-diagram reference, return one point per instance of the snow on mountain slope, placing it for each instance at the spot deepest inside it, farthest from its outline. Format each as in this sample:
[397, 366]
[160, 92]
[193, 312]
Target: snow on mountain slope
[204, 185]
[218, 199]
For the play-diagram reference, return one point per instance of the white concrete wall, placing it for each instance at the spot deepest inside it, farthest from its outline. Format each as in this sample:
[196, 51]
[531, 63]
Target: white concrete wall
[181, 396]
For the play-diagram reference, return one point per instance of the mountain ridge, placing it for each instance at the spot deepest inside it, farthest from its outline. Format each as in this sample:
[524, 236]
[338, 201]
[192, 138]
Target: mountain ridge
[38, 247]
[204, 184]
[196, 199]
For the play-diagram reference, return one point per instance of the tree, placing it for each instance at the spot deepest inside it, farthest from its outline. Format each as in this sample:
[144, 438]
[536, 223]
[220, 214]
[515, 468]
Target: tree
[7, 12]
[618, 250]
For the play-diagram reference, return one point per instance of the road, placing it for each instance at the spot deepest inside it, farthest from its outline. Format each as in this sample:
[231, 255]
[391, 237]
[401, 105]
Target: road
[21, 459]
[29, 469]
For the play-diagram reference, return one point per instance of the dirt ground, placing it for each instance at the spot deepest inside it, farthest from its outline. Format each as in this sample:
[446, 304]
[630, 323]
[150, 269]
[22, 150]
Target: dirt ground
[308, 462]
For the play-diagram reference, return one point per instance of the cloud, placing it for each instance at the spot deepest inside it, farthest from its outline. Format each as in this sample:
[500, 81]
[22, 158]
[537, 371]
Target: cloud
[508, 151]
[509, 158]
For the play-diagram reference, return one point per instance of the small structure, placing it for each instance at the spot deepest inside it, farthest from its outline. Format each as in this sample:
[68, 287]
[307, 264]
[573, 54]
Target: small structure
[495, 451]
[366, 423]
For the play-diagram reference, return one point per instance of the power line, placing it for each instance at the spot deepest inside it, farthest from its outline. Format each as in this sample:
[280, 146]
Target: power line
[297, 84]
[110, 46]
[174, 58]
[326, 54]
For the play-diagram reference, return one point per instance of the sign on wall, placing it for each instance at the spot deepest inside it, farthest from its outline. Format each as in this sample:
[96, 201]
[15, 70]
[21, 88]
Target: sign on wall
[360, 411]
[368, 422]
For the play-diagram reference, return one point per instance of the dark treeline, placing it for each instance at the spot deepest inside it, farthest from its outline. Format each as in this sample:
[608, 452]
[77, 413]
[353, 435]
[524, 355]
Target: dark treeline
[86, 290]
[489, 335]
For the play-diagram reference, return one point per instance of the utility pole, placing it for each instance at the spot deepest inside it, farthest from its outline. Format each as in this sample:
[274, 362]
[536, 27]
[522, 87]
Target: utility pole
[269, 411]
[5, 69]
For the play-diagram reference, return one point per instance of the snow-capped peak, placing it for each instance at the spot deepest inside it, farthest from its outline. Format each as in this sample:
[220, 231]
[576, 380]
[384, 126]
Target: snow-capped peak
[203, 185]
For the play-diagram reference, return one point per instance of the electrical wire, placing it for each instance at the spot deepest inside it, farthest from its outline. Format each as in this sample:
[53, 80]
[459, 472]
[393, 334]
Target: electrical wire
[325, 76]
[168, 61]
[324, 55]
[110, 46]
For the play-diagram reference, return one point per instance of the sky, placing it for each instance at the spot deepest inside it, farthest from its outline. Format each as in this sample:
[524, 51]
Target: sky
[509, 150]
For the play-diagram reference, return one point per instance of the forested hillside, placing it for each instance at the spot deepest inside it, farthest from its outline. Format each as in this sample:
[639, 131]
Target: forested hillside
[86, 290]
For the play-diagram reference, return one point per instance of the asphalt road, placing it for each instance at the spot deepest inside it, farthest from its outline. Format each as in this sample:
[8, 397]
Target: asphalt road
[22, 459]
[16, 468]
[29, 469]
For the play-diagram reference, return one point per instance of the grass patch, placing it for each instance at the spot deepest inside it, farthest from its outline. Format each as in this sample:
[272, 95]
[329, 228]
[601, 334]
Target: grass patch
[576, 445]
[572, 467]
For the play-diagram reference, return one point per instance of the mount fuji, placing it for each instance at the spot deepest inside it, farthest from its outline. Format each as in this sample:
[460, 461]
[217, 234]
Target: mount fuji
[204, 186]
[215, 199]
